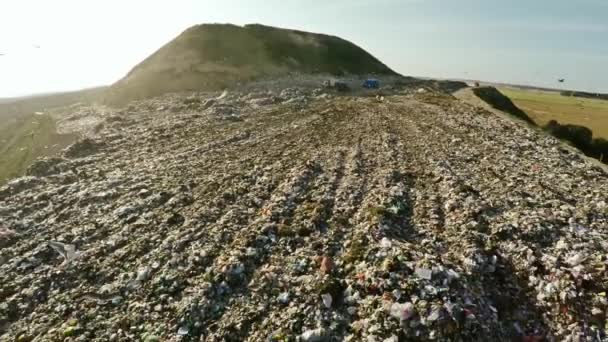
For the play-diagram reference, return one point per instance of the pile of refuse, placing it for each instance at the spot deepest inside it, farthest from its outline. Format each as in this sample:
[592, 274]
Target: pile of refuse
[295, 215]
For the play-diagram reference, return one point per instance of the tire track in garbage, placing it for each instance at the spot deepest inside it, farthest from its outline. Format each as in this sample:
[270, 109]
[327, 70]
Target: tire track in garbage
[307, 216]
[406, 170]
[238, 267]
[184, 274]
[323, 229]
[234, 175]
[416, 139]
[467, 247]
[355, 177]
[209, 230]
[510, 285]
[220, 253]
[319, 214]
[332, 187]
[144, 239]
[332, 239]
[337, 238]
[278, 151]
[386, 212]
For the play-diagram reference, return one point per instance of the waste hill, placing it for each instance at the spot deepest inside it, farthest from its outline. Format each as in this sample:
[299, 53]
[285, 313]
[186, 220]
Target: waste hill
[302, 215]
[216, 56]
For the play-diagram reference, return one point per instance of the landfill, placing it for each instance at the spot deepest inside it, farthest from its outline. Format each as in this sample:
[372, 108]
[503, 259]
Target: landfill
[304, 215]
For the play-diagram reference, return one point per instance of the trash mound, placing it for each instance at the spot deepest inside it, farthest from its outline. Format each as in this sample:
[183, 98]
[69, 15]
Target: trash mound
[318, 219]
[220, 56]
[44, 167]
[497, 100]
[82, 148]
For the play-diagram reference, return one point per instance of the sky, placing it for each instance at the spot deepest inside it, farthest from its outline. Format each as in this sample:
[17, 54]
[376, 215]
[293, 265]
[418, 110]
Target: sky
[57, 45]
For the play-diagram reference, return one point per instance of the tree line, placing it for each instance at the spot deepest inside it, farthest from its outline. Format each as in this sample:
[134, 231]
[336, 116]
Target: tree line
[581, 137]
[584, 94]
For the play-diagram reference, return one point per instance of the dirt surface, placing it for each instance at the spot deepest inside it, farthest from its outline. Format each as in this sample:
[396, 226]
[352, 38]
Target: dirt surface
[305, 216]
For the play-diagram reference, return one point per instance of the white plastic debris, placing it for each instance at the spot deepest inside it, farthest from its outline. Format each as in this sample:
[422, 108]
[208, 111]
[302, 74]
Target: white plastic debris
[386, 243]
[424, 273]
[67, 251]
[183, 331]
[143, 274]
[315, 335]
[575, 259]
[403, 311]
[327, 300]
[223, 95]
[283, 298]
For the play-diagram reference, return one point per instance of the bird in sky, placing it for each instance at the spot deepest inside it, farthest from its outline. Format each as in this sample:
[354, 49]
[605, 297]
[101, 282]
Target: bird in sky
[561, 80]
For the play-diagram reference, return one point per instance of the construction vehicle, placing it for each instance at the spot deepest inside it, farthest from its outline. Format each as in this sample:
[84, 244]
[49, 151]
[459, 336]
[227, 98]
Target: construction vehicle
[371, 84]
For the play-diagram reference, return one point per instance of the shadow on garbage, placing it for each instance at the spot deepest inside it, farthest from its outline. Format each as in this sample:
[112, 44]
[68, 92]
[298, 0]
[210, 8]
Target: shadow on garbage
[515, 303]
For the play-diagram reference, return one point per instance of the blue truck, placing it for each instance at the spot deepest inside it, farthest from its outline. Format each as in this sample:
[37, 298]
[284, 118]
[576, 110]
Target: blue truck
[371, 84]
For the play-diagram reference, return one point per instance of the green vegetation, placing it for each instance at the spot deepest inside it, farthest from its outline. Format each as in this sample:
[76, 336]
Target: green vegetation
[356, 251]
[214, 56]
[26, 138]
[12, 108]
[544, 106]
[581, 137]
[501, 102]
[584, 94]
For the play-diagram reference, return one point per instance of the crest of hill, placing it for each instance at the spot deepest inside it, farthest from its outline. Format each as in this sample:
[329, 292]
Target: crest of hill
[217, 56]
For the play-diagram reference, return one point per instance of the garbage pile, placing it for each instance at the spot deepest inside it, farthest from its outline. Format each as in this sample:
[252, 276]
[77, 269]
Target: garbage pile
[297, 216]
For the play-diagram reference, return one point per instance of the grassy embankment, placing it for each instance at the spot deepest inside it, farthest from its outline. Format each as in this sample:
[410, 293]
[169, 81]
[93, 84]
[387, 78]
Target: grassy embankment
[544, 106]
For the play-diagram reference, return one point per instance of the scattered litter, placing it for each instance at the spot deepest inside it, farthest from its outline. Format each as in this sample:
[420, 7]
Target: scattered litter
[386, 243]
[316, 335]
[424, 273]
[289, 215]
[327, 264]
[67, 251]
[327, 300]
[223, 95]
[283, 298]
[183, 331]
[143, 274]
[402, 312]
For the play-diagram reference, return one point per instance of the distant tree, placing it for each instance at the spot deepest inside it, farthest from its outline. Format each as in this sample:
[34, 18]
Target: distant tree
[579, 136]
[599, 148]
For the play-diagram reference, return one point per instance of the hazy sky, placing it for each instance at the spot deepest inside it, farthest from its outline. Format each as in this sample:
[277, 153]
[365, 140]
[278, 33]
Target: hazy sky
[69, 44]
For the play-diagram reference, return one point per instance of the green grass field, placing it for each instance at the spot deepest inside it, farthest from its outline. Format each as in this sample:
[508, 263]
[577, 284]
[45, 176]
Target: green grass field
[25, 136]
[543, 106]
[25, 139]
